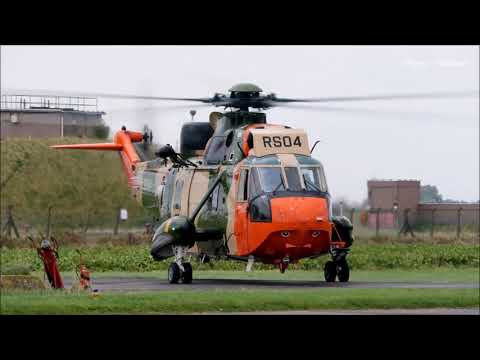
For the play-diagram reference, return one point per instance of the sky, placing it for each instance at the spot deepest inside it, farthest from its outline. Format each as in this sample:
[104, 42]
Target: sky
[434, 141]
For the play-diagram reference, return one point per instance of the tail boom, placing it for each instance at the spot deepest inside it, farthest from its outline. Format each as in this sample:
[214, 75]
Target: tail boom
[122, 142]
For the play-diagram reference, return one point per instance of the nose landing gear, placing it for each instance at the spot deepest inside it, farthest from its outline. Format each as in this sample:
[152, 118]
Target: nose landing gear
[337, 267]
[180, 270]
[283, 265]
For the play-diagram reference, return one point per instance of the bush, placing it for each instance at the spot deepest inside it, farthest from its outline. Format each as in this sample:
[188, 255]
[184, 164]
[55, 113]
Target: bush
[101, 131]
[16, 269]
[362, 257]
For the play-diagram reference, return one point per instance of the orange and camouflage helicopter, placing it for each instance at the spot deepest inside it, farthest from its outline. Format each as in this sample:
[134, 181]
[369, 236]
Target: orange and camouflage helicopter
[238, 188]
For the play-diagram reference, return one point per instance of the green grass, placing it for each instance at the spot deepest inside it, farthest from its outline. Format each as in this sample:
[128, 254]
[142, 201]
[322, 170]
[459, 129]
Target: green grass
[464, 275]
[54, 302]
[362, 257]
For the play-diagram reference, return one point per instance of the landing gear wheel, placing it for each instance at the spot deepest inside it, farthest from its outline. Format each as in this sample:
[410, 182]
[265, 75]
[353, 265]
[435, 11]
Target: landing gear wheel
[343, 271]
[330, 271]
[174, 273]
[187, 274]
[283, 266]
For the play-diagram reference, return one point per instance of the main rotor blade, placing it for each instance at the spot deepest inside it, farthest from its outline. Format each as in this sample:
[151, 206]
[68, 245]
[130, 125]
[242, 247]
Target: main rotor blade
[438, 95]
[165, 108]
[38, 92]
[369, 112]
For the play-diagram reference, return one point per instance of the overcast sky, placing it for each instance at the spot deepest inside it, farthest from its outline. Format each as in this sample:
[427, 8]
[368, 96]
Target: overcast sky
[435, 141]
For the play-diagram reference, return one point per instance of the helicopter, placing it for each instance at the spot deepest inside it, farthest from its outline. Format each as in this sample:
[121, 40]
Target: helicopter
[239, 187]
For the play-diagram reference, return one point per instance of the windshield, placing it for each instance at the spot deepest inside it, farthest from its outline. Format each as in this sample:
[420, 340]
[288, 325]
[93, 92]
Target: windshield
[293, 179]
[271, 179]
[314, 178]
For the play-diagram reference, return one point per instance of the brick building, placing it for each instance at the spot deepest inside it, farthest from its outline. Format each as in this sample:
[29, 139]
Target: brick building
[390, 198]
[50, 116]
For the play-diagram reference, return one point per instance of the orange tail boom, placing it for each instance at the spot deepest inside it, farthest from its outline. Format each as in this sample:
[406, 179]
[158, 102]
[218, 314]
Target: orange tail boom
[123, 140]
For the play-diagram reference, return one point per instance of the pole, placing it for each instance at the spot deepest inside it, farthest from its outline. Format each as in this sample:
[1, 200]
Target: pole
[432, 229]
[352, 212]
[377, 223]
[117, 222]
[459, 214]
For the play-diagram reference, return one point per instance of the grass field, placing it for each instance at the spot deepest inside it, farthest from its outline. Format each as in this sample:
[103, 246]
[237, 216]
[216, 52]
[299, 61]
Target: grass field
[171, 302]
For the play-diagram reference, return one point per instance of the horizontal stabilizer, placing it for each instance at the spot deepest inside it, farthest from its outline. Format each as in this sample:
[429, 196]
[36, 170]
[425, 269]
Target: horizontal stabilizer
[99, 146]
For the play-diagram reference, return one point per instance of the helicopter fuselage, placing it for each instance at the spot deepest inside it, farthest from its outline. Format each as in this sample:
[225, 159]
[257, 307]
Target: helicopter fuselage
[272, 201]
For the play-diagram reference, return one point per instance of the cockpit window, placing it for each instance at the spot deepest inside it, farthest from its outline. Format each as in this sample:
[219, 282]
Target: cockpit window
[314, 177]
[271, 179]
[217, 150]
[293, 179]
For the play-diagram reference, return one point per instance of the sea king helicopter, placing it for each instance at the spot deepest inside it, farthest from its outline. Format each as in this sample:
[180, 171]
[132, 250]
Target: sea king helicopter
[238, 188]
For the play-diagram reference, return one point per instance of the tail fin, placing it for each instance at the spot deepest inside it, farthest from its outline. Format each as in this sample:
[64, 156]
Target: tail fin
[122, 142]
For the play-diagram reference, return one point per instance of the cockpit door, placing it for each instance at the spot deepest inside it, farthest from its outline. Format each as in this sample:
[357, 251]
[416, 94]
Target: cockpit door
[241, 213]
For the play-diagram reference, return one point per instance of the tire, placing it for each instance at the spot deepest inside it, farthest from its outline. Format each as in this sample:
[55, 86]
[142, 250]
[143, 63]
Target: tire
[330, 271]
[174, 273]
[194, 136]
[187, 274]
[343, 271]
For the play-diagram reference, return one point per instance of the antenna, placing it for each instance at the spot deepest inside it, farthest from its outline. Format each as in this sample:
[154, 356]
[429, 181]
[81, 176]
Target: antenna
[193, 112]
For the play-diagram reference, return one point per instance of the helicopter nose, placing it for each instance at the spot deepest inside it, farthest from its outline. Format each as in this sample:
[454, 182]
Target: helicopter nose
[300, 227]
[299, 210]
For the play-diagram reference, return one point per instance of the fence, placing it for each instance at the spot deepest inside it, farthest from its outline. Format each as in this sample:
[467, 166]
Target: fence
[24, 102]
[14, 224]
[376, 222]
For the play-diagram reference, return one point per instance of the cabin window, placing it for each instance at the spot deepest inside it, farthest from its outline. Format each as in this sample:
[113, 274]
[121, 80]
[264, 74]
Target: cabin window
[253, 184]
[217, 151]
[221, 198]
[323, 179]
[167, 193]
[214, 199]
[178, 194]
[293, 179]
[242, 194]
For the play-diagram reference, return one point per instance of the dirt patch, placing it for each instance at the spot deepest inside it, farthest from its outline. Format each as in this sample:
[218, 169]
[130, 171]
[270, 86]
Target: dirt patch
[21, 282]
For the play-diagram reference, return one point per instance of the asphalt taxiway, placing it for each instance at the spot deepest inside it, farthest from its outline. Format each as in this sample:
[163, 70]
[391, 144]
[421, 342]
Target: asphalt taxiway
[152, 284]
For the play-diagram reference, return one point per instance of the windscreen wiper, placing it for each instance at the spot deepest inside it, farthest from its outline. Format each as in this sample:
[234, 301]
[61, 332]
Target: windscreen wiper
[264, 193]
[311, 184]
[278, 186]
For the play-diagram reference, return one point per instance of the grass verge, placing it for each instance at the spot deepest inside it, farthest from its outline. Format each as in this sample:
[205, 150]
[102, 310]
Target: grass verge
[175, 302]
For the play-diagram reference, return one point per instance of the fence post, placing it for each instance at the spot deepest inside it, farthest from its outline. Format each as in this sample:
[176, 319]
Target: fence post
[459, 214]
[377, 222]
[117, 222]
[433, 223]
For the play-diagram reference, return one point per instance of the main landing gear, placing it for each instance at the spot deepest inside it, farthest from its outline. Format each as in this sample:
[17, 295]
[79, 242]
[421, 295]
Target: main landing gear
[337, 267]
[180, 270]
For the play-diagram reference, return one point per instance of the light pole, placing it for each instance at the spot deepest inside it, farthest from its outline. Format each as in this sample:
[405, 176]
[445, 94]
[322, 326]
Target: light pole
[395, 214]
